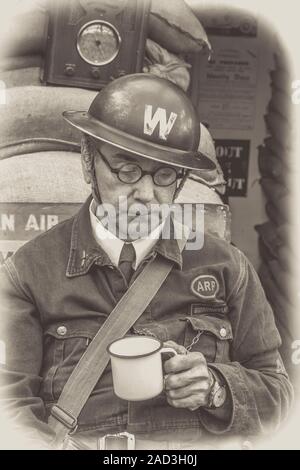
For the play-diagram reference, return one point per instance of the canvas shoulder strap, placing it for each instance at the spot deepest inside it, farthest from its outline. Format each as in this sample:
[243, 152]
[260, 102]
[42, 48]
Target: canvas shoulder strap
[92, 364]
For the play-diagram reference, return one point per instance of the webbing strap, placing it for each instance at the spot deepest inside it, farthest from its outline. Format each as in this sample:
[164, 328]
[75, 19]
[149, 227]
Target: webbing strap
[93, 362]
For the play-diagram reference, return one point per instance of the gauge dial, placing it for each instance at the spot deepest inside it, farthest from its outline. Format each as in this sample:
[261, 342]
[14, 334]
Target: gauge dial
[98, 42]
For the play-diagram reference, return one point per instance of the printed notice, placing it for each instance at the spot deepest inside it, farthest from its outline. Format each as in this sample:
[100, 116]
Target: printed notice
[228, 86]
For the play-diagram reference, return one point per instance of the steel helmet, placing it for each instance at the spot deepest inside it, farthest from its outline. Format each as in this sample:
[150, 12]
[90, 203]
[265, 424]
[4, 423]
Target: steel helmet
[210, 178]
[147, 116]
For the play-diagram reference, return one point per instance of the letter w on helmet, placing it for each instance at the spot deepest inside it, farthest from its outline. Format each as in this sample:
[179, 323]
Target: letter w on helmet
[160, 118]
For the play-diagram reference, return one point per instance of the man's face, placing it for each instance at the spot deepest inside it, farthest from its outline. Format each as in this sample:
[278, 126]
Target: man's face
[143, 211]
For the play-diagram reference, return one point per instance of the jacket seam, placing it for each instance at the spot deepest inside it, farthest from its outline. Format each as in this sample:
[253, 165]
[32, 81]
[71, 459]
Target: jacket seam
[241, 277]
[14, 277]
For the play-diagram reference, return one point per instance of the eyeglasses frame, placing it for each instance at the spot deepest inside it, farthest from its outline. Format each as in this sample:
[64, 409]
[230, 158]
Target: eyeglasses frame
[116, 171]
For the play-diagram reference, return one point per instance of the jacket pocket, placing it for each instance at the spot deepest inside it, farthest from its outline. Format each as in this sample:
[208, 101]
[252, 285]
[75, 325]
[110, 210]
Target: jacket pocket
[210, 335]
[64, 344]
[164, 330]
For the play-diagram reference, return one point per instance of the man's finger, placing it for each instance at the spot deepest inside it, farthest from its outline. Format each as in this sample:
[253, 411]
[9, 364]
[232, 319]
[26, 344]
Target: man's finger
[195, 388]
[186, 378]
[178, 347]
[189, 402]
[184, 362]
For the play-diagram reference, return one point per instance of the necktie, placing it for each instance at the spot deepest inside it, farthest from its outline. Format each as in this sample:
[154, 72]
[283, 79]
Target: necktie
[127, 258]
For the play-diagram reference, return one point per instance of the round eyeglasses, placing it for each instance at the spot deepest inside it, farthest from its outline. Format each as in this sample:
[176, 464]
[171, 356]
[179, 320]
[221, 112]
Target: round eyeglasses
[130, 173]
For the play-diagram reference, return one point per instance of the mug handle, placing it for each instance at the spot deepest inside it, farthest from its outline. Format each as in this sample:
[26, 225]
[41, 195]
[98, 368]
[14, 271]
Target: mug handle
[169, 350]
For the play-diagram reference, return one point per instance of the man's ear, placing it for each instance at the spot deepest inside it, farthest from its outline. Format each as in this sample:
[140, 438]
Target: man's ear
[86, 160]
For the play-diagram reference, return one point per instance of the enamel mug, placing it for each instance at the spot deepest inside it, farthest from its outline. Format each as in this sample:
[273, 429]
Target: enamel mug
[137, 370]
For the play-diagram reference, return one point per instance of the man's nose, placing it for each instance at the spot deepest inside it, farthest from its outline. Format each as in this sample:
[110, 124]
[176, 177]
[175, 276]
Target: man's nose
[144, 189]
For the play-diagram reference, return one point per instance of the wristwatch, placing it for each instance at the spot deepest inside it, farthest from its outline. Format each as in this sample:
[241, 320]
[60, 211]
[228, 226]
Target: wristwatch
[218, 393]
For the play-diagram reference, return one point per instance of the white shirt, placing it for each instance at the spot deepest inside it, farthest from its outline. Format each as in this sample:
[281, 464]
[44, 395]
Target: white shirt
[113, 245]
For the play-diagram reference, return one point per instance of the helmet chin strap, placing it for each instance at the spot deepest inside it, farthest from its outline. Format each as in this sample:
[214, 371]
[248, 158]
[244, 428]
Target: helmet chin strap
[94, 185]
[181, 184]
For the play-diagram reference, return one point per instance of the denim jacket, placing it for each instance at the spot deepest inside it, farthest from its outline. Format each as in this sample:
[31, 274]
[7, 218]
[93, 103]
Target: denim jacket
[58, 289]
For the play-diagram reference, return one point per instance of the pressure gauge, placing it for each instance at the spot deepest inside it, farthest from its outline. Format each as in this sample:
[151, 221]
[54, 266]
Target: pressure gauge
[98, 42]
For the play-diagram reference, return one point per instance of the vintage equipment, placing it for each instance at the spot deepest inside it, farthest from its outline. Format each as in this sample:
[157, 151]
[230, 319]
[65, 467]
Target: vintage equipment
[90, 43]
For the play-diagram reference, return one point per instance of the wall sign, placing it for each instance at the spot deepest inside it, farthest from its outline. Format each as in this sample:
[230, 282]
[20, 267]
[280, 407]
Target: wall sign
[20, 222]
[233, 156]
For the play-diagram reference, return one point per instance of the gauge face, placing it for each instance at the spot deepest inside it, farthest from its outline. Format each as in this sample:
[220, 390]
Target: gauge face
[98, 42]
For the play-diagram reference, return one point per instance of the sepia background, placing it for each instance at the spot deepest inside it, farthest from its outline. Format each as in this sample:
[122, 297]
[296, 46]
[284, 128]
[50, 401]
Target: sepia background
[251, 109]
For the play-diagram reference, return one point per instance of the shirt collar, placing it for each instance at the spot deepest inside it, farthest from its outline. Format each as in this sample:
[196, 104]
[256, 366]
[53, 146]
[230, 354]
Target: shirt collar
[85, 251]
[113, 245]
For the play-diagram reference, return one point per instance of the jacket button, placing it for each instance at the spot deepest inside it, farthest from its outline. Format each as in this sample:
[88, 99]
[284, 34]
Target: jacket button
[223, 332]
[61, 330]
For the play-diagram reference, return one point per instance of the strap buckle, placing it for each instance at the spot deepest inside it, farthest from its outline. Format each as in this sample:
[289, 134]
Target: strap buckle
[65, 418]
[130, 444]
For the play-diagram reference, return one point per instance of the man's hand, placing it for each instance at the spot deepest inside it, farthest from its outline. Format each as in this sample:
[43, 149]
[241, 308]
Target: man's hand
[187, 380]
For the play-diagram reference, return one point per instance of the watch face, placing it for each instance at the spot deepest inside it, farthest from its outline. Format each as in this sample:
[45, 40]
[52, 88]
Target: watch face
[219, 397]
[98, 42]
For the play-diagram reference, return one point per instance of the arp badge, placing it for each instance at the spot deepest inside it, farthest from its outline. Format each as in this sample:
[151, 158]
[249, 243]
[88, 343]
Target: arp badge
[205, 286]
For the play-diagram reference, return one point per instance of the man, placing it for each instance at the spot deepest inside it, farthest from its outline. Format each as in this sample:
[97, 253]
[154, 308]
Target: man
[140, 137]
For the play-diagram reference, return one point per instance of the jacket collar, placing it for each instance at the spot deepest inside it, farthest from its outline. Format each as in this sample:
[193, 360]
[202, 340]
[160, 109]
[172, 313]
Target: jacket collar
[85, 251]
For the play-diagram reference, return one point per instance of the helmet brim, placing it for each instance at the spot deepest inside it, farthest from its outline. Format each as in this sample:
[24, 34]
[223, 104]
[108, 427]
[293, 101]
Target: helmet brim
[86, 123]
